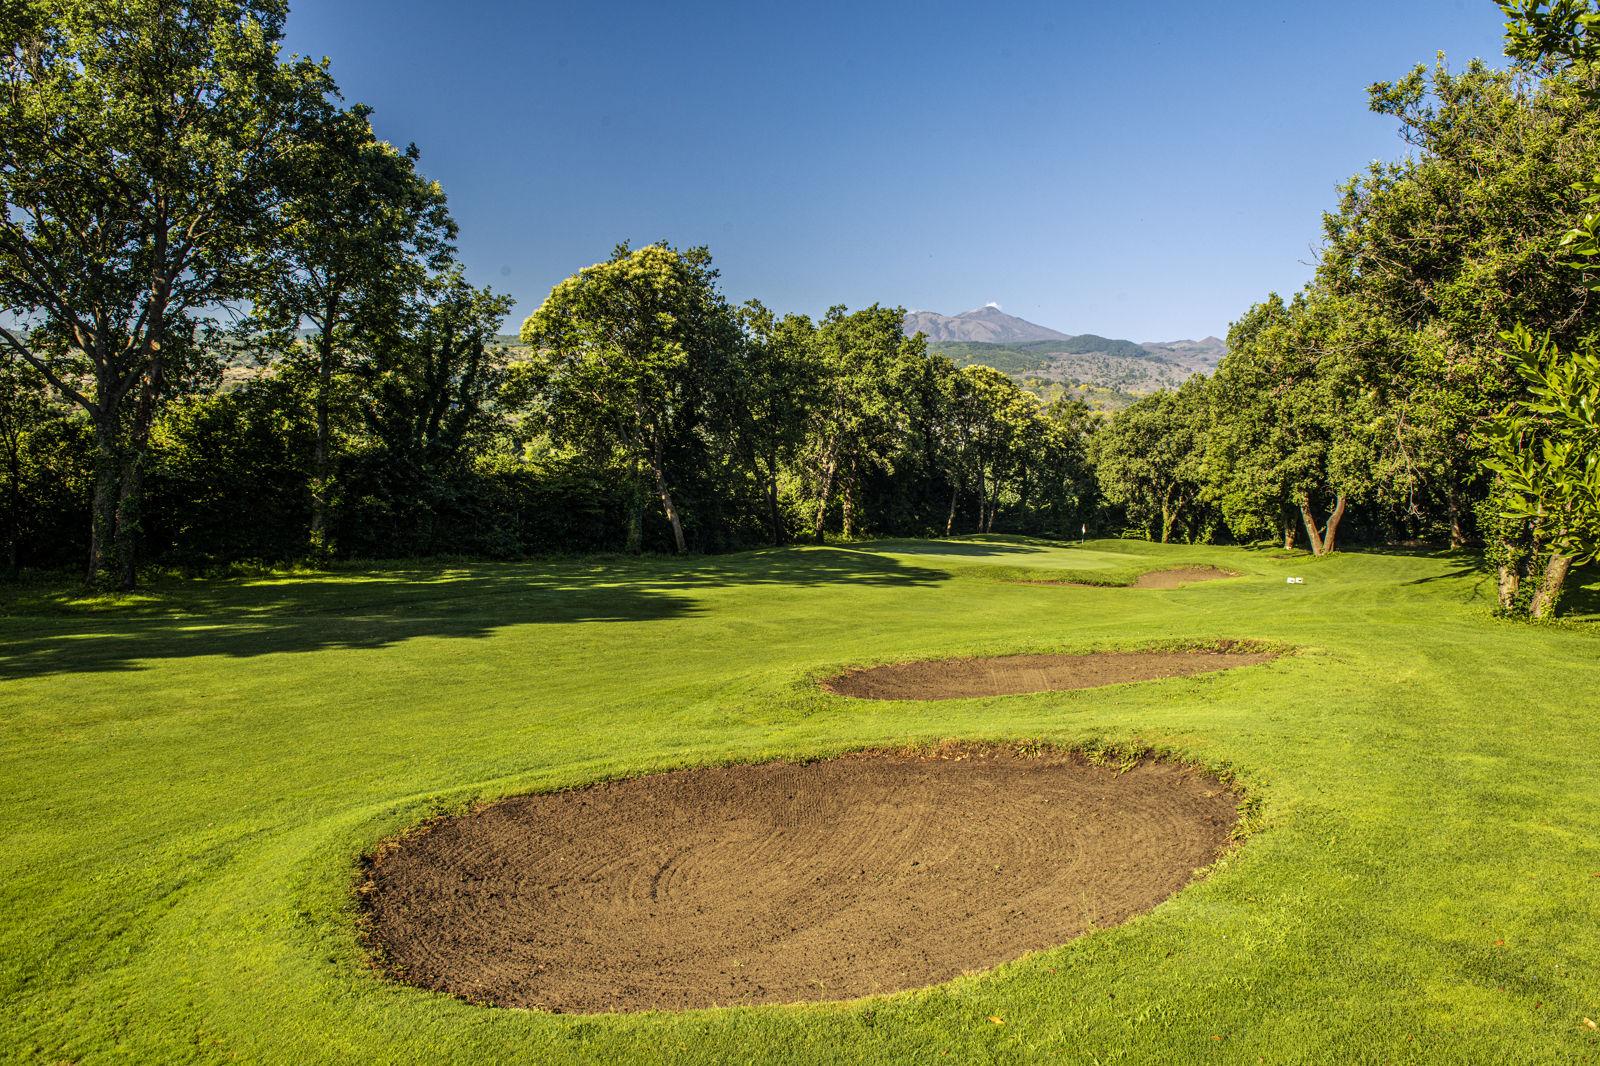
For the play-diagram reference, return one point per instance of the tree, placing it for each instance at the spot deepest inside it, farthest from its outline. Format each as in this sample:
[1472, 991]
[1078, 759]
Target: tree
[1449, 247]
[1552, 34]
[990, 420]
[1544, 446]
[1055, 466]
[625, 356]
[1296, 425]
[426, 373]
[1545, 449]
[140, 143]
[769, 392]
[857, 419]
[358, 229]
[1148, 458]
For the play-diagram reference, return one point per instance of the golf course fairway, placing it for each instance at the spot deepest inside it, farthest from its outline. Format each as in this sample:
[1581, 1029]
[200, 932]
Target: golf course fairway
[193, 774]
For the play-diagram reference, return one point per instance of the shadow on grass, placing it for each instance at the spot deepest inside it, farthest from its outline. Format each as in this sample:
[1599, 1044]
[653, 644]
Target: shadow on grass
[61, 633]
[952, 547]
[1582, 601]
[1470, 569]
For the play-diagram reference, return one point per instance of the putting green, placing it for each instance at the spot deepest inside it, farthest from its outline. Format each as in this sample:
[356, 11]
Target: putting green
[189, 778]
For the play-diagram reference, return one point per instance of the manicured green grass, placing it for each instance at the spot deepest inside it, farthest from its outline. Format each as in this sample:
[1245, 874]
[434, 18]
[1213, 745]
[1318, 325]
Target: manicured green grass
[189, 777]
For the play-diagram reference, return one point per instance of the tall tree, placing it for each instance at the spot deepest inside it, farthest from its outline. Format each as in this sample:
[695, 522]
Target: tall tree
[625, 354]
[1148, 459]
[1451, 246]
[1545, 451]
[768, 394]
[1544, 445]
[856, 418]
[358, 229]
[990, 420]
[1057, 480]
[427, 372]
[140, 143]
[1296, 425]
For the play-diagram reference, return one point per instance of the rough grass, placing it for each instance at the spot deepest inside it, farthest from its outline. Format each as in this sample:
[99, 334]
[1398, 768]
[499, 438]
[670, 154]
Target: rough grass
[190, 777]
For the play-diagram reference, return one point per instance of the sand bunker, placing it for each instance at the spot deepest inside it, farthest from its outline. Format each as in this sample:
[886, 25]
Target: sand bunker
[1009, 675]
[1180, 576]
[784, 881]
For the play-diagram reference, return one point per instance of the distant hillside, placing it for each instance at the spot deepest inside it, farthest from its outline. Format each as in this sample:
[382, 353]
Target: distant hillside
[1106, 373]
[1034, 355]
[1112, 372]
[987, 325]
[1201, 355]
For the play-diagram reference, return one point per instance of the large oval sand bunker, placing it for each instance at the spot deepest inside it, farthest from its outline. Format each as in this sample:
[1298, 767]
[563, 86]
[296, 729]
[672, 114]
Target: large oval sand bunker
[1010, 675]
[784, 881]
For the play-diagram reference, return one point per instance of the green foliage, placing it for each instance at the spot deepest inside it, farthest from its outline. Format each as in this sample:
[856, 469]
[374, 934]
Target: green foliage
[1297, 418]
[141, 152]
[1552, 33]
[41, 484]
[1148, 460]
[357, 235]
[1449, 248]
[625, 356]
[228, 475]
[1467, 233]
[1545, 448]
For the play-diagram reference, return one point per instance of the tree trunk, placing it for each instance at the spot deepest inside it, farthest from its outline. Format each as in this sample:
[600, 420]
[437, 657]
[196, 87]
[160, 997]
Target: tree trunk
[1023, 497]
[1510, 581]
[774, 512]
[635, 542]
[1554, 582]
[130, 493]
[636, 501]
[670, 507]
[1311, 525]
[1330, 535]
[321, 458]
[130, 504]
[1288, 535]
[1458, 533]
[848, 509]
[819, 530]
[103, 519]
[950, 519]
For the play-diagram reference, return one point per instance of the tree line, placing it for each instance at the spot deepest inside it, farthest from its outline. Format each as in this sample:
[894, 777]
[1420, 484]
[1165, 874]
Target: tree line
[1438, 378]
[233, 327]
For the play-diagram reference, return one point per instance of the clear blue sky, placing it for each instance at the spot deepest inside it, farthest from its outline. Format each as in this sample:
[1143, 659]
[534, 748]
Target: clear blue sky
[1137, 170]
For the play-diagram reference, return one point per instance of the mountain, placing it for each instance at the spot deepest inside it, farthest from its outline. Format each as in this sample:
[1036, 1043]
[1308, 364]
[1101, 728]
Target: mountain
[988, 325]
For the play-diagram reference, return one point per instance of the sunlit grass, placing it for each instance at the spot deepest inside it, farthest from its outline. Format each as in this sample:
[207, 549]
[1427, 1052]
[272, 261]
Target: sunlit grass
[189, 776]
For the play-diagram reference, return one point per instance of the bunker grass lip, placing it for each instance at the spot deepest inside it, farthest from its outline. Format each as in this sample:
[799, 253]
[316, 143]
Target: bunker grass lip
[783, 882]
[1170, 578]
